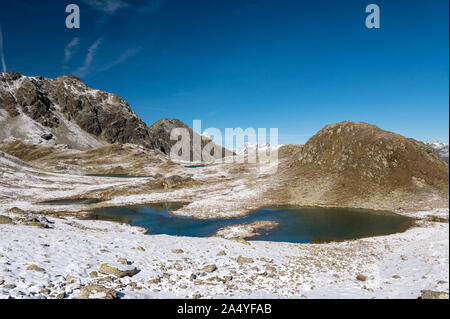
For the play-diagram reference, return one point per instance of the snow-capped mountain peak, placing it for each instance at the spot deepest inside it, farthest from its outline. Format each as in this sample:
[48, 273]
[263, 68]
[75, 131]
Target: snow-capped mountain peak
[440, 148]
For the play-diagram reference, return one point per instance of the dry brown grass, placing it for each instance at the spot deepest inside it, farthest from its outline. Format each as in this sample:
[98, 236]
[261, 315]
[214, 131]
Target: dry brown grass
[360, 165]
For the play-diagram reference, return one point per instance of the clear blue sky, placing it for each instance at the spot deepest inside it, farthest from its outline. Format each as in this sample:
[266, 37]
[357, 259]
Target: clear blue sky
[294, 65]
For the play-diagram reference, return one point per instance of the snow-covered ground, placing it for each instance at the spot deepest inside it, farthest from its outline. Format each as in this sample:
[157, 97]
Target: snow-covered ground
[68, 254]
[60, 261]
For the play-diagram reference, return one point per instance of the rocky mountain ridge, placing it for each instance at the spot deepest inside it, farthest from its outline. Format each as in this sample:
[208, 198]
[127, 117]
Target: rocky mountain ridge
[65, 110]
[68, 111]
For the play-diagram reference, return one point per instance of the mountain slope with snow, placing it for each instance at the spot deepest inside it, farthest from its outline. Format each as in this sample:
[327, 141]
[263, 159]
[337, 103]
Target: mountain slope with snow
[64, 110]
[440, 148]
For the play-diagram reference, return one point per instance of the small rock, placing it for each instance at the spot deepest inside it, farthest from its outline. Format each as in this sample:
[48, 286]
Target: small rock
[429, 294]
[133, 285]
[154, 280]
[86, 291]
[140, 248]
[177, 251]
[118, 271]
[108, 279]
[44, 291]
[35, 268]
[242, 260]
[93, 274]
[9, 286]
[5, 220]
[47, 136]
[221, 253]
[361, 277]
[209, 268]
[123, 261]
[396, 277]
[61, 295]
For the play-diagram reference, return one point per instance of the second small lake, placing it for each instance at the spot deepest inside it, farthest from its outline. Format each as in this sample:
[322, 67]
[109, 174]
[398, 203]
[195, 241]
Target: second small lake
[297, 225]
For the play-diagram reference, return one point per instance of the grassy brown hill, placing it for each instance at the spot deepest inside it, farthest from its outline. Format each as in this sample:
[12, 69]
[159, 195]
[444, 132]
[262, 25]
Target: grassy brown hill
[357, 164]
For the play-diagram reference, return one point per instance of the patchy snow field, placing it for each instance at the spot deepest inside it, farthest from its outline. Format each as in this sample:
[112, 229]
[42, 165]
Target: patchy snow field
[57, 262]
[65, 260]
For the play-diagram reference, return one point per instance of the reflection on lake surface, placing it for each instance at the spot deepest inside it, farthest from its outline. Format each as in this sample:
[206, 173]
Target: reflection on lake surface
[297, 225]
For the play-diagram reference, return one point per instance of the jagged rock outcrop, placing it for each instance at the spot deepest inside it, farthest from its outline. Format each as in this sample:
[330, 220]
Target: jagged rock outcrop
[355, 164]
[67, 110]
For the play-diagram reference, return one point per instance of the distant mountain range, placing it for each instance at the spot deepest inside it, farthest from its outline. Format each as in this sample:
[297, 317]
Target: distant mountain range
[259, 147]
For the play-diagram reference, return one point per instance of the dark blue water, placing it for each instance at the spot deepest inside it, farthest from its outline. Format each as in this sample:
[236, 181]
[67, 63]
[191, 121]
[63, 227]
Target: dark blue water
[77, 201]
[297, 225]
[116, 175]
[195, 166]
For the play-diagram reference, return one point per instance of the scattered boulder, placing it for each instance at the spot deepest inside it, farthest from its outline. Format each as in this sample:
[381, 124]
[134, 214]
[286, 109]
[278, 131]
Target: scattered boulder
[61, 295]
[123, 261]
[35, 268]
[118, 270]
[47, 136]
[429, 294]
[209, 268]
[33, 220]
[5, 220]
[9, 286]
[16, 210]
[107, 293]
[221, 253]
[154, 279]
[173, 181]
[361, 277]
[242, 260]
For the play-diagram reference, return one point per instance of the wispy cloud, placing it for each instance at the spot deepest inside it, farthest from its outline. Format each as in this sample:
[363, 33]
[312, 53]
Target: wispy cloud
[122, 58]
[68, 50]
[2, 54]
[85, 69]
[106, 6]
